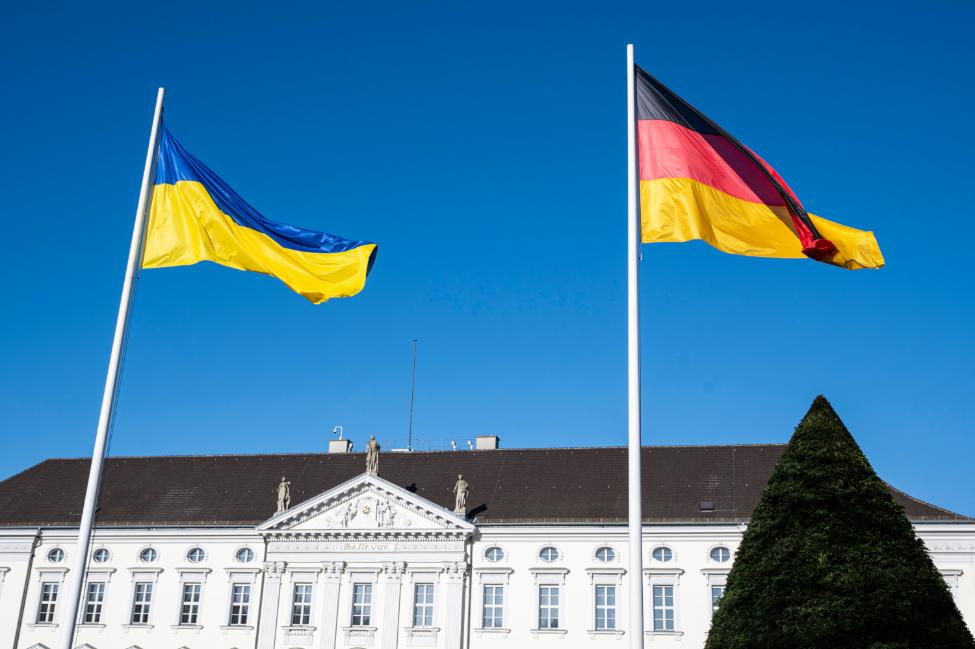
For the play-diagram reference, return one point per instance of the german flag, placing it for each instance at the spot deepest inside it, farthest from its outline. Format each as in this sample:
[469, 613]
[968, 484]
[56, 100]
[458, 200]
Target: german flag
[699, 182]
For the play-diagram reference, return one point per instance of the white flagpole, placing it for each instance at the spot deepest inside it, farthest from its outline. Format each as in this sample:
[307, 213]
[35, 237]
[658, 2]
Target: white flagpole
[76, 578]
[635, 513]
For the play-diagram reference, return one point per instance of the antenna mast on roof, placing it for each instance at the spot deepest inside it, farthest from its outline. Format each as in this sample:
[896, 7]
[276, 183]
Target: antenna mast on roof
[409, 435]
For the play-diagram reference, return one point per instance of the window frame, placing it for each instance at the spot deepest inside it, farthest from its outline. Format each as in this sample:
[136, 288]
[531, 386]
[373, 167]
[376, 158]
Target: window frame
[302, 609]
[717, 548]
[489, 549]
[605, 607]
[56, 551]
[497, 619]
[198, 552]
[663, 607]
[148, 548]
[662, 548]
[546, 611]
[244, 548]
[91, 611]
[364, 612]
[189, 609]
[47, 602]
[240, 609]
[605, 548]
[98, 552]
[425, 609]
[143, 605]
[542, 550]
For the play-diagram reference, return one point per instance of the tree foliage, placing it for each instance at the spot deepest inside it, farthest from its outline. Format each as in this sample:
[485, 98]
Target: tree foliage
[829, 560]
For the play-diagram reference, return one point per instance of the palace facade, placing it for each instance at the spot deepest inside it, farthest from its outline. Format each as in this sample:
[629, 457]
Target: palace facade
[190, 553]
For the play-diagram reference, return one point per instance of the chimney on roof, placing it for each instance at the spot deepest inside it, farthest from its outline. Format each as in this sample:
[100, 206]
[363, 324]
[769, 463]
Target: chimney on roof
[487, 442]
[340, 445]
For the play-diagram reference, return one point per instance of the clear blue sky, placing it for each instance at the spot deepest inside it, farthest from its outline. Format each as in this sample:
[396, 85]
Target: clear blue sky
[482, 145]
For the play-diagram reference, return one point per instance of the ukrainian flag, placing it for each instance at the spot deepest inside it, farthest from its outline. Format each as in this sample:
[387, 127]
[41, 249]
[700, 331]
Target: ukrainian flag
[195, 216]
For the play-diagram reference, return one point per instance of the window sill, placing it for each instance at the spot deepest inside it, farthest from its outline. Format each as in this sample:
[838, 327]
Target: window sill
[91, 625]
[549, 631]
[43, 625]
[137, 626]
[496, 630]
[356, 634]
[237, 627]
[665, 634]
[605, 631]
[186, 627]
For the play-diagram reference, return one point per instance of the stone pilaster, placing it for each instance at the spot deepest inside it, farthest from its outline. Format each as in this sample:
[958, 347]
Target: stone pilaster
[273, 570]
[331, 579]
[454, 573]
[393, 586]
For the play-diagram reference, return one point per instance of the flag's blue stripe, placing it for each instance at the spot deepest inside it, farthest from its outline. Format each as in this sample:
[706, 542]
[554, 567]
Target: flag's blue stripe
[175, 163]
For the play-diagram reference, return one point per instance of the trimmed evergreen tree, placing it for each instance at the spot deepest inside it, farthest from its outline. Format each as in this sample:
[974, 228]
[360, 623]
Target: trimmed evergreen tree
[829, 560]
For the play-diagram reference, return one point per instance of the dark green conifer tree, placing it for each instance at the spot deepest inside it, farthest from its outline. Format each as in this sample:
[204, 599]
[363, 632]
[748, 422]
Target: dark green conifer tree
[830, 561]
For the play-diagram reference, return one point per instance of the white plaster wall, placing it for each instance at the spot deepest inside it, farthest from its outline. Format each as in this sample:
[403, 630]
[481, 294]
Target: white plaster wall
[952, 546]
[15, 555]
[114, 633]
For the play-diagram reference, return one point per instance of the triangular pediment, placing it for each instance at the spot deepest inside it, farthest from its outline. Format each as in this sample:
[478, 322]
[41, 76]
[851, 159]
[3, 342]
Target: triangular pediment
[85, 646]
[366, 504]
[38, 646]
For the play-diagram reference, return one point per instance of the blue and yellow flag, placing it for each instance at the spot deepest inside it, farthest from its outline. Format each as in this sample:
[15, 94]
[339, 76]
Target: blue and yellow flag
[195, 216]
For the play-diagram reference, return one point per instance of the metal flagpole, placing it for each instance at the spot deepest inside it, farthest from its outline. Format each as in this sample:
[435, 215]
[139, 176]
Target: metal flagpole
[635, 513]
[76, 578]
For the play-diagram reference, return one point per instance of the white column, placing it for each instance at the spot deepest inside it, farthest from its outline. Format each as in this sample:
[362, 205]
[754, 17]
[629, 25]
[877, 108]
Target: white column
[392, 588]
[454, 602]
[331, 585]
[273, 570]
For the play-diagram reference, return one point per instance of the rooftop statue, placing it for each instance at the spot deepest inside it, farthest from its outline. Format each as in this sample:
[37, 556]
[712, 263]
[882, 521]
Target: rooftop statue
[284, 495]
[460, 502]
[372, 456]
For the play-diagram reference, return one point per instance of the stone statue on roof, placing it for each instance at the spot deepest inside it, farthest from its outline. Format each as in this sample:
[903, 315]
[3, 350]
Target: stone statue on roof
[372, 456]
[460, 489]
[284, 495]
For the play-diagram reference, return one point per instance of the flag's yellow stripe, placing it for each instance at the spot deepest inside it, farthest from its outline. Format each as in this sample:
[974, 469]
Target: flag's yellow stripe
[682, 209]
[186, 227]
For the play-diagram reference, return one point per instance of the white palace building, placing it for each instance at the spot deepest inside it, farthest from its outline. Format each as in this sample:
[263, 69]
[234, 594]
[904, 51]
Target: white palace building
[189, 552]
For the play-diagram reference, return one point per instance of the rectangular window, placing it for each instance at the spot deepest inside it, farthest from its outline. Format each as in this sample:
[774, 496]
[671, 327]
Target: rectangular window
[94, 599]
[548, 607]
[605, 608]
[189, 610]
[717, 592]
[423, 605]
[141, 602]
[301, 605]
[663, 608]
[240, 604]
[493, 617]
[49, 600]
[361, 604]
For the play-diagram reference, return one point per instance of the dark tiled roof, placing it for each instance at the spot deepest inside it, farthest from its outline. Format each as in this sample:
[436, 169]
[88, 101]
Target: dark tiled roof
[557, 485]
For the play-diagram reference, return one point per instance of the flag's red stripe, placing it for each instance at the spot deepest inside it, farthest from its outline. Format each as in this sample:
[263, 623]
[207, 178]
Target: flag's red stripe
[669, 150]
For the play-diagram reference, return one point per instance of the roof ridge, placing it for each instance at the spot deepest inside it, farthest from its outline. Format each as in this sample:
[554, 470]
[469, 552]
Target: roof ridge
[407, 454]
